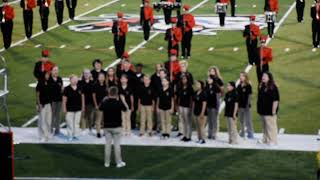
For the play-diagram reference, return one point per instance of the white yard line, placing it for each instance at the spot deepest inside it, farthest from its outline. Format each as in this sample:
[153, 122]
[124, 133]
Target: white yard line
[130, 52]
[64, 22]
[249, 67]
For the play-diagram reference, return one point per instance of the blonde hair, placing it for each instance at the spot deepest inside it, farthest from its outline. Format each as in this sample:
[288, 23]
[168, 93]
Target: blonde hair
[216, 70]
[183, 62]
[247, 80]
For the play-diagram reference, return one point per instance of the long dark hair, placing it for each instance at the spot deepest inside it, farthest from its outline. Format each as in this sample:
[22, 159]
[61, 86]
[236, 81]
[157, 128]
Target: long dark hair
[271, 83]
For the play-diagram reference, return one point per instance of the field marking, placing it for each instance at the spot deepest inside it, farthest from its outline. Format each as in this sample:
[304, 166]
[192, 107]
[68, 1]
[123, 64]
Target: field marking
[130, 52]
[57, 25]
[249, 66]
[62, 178]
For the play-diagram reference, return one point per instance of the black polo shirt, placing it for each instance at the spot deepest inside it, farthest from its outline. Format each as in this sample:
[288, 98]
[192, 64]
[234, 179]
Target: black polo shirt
[44, 88]
[156, 83]
[146, 95]
[212, 93]
[198, 100]
[112, 112]
[218, 81]
[165, 99]
[87, 89]
[112, 83]
[100, 91]
[244, 92]
[187, 74]
[266, 97]
[95, 74]
[56, 89]
[127, 93]
[185, 96]
[74, 102]
[230, 99]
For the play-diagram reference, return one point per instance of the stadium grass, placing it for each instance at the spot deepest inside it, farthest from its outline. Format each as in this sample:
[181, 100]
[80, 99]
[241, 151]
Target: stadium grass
[163, 163]
[298, 87]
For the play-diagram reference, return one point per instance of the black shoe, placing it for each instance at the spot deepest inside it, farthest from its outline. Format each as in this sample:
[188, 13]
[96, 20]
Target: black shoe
[202, 141]
[188, 140]
[179, 134]
[184, 139]
[98, 135]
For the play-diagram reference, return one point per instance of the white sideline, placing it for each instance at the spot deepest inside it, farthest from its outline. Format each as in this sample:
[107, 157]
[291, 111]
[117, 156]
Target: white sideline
[64, 22]
[64, 178]
[130, 52]
[249, 67]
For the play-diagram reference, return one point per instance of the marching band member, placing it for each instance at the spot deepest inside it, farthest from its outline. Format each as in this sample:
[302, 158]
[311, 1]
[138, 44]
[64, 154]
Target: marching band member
[173, 36]
[59, 6]
[27, 6]
[221, 9]
[44, 13]
[71, 5]
[233, 8]
[167, 11]
[244, 90]
[271, 9]
[172, 66]
[43, 65]
[7, 15]
[300, 4]
[251, 33]
[315, 15]
[231, 112]
[264, 56]
[119, 30]
[187, 22]
[146, 18]
[268, 106]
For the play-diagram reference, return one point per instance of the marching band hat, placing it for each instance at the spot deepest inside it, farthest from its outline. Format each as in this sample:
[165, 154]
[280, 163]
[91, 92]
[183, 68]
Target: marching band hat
[252, 18]
[263, 39]
[45, 53]
[120, 14]
[173, 20]
[173, 52]
[186, 7]
[126, 55]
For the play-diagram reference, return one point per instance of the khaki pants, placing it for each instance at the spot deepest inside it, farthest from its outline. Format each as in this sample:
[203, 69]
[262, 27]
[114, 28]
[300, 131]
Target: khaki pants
[232, 130]
[245, 122]
[126, 122]
[44, 122]
[73, 123]
[269, 129]
[146, 114]
[87, 117]
[99, 120]
[165, 116]
[186, 121]
[112, 134]
[213, 122]
[56, 117]
[201, 123]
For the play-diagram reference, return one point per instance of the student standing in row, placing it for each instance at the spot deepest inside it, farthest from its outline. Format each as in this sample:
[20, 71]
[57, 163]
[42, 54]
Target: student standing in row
[28, 7]
[97, 69]
[126, 91]
[112, 109]
[44, 13]
[44, 100]
[244, 90]
[99, 93]
[71, 5]
[146, 103]
[111, 78]
[73, 104]
[213, 104]
[165, 105]
[231, 100]
[199, 110]
[268, 105]
[185, 94]
[57, 90]
[6, 17]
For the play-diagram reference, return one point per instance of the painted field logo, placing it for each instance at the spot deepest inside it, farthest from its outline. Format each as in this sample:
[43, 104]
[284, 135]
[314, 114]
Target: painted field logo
[205, 24]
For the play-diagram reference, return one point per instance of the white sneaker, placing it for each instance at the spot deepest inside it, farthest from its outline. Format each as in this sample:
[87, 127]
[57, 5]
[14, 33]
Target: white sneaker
[106, 165]
[121, 164]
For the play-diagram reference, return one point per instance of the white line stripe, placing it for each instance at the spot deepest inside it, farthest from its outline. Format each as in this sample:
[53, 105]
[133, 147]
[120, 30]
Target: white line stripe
[35, 118]
[249, 67]
[62, 178]
[55, 26]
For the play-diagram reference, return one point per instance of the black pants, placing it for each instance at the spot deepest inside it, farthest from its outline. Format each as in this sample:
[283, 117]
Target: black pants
[233, 8]
[119, 45]
[318, 174]
[71, 5]
[6, 29]
[186, 43]
[300, 10]
[170, 46]
[44, 16]
[270, 29]
[28, 22]
[71, 13]
[222, 17]
[146, 30]
[167, 15]
[59, 6]
[251, 49]
[260, 70]
[315, 33]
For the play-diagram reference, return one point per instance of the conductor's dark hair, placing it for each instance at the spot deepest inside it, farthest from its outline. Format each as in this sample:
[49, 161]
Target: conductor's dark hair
[96, 61]
[113, 91]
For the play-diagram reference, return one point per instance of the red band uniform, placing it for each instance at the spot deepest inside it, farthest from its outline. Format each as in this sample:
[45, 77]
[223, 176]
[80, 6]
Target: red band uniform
[222, 16]
[146, 18]
[173, 36]
[7, 15]
[44, 13]
[251, 33]
[119, 30]
[186, 22]
[42, 66]
[264, 56]
[59, 7]
[172, 67]
[28, 6]
[271, 6]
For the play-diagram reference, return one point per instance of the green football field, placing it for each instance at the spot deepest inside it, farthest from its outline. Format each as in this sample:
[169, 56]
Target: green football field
[296, 73]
